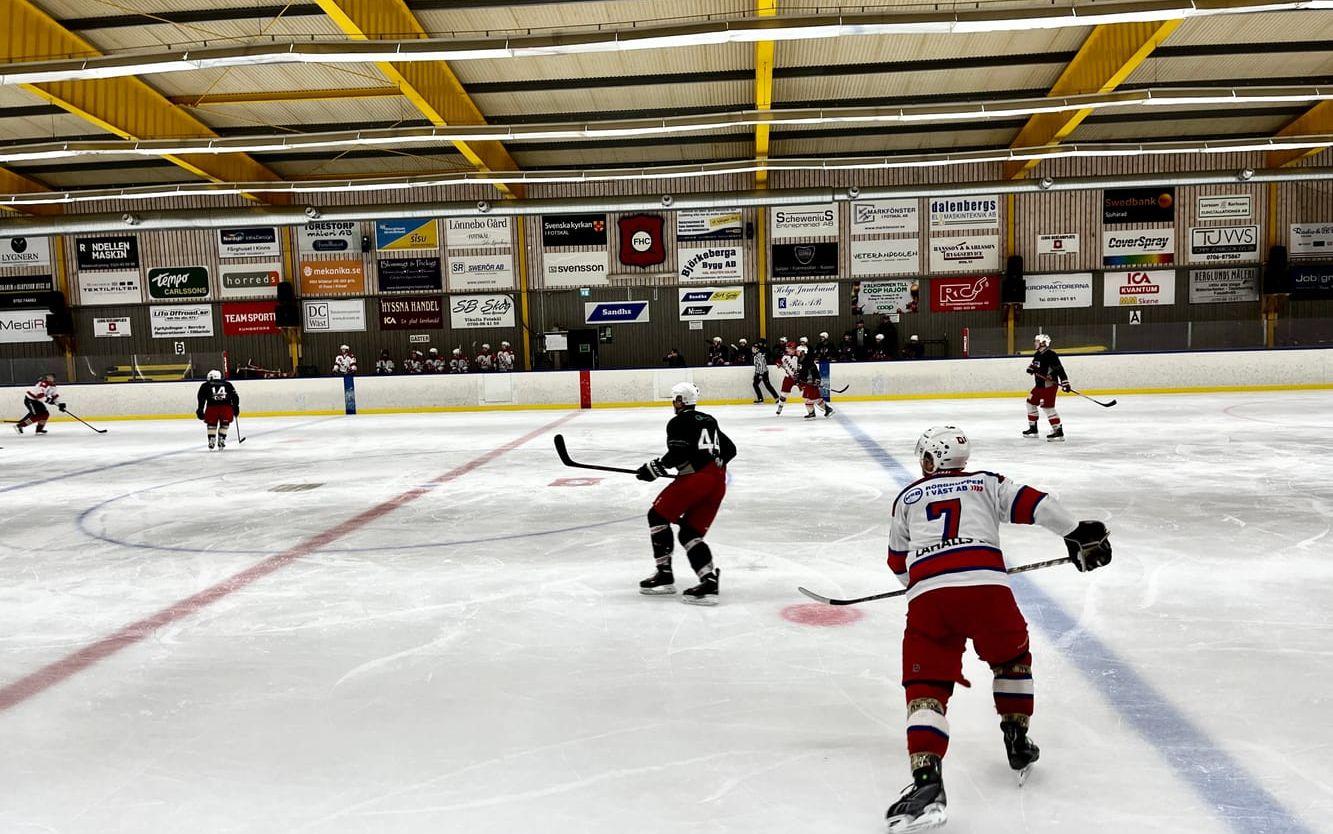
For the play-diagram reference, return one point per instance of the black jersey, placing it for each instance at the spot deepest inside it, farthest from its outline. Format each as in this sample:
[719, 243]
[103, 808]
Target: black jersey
[694, 441]
[808, 371]
[1046, 363]
[218, 392]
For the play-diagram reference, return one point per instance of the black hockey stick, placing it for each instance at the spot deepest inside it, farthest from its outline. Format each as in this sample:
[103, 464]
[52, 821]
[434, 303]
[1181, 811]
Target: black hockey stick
[85, 422]
[839, 390]
[240, 438]
[1079, 393]
[1020, 569]
[568, 461]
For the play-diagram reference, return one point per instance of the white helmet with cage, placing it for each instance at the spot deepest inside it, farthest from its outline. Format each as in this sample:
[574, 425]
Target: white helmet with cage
[1041, 341]
[214, 376]
[686, 392]
[942, 447]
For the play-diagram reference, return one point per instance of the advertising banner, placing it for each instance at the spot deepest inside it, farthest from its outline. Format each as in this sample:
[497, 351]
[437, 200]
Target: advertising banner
[1312, 282]
[412, 313]
[180, 321]
[1225, 207]
[409, 274]
[804, 260]
[1138, 289]
[1055, 292]
[965, 294]
[249, 318]
[469, 312]
[25, 283]
[1065, 244]
[885, 256]
[1139, 247]
[1310, 240]
[107, 252]
[250, 242]
[19, 326]
[1224, 244]
[711, 303]
[110, 287]
[642, 241]
[250, 280]
[112, 328]
[803, 221]
[615, 312]
[480, 232]
[708, 224]
[714, 263]
[481, 272]
[968, 253]
[574, 230]
[980, 212]
[330, 236]
[171, 283]
[343, 315]
[25, 251]
[886, 298]
[406, 235]
[1223, 286]
[1138, 205]
[576, 269]
[796, 300]
[342, 277]
[870, 217]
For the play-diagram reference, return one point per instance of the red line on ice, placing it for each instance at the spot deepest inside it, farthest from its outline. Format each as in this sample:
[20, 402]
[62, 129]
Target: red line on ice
[70, 665]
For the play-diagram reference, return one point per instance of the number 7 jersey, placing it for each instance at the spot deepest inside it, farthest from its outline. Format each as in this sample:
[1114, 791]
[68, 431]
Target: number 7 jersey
[946, 528]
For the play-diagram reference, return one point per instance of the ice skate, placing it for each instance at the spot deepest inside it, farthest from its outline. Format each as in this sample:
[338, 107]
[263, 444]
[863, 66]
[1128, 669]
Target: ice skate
[1032, 432]
[828, 412]
[1057, 435]
[40, 430]
[921, 805]
[662, 582]
[810, 415]
[211, 444]
[705, 593]
[222, 443]
[759, 402]
[18, 428]
[1022, 752]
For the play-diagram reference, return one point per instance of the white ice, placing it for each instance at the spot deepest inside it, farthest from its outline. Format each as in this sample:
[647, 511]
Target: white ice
[475, 657]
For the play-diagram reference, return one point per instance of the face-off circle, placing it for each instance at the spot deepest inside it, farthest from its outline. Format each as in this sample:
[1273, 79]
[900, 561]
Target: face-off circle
[818, 614]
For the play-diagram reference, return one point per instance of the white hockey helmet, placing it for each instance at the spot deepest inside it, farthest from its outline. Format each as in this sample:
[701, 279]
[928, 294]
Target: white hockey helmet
[458, 351]
[485, 347]
[434, 351]
[942, 447]
[879, 337]
[802, 350]
[686, 392]
[504, 344]
[343, 347]
[717, 339]
[823, 335]
[1041, 341]
[805, 340]
[214, 376]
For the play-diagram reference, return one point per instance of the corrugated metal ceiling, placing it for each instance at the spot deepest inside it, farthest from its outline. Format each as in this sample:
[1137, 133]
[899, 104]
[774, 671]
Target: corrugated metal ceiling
[985, 81]
[214, 33]
[262, 78]
[735, 94]
[920, 47]
[336, 114]
[1236, 69]
[564, 16]
[608, 65]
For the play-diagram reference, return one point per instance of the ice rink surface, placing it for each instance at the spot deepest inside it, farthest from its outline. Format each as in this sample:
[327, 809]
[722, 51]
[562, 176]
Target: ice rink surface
[410, 624]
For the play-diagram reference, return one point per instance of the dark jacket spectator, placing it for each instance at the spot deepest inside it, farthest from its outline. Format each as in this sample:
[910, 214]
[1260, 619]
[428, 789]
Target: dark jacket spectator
[673, 359]
[847, 351]
[862, 339]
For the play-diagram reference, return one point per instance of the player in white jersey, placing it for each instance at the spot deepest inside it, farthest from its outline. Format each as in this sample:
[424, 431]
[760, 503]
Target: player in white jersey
[485, 360]
[36, 399]
[790, 363]
[944, 546]
[504, 358]
[459, 364]
[345, 362]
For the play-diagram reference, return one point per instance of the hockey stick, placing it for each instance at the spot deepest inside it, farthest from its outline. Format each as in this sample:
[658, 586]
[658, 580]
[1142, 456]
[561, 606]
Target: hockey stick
[841, 390]
[568, 461]
[1020, 569]
[1079, 393]
[240, 438]
[85, 422]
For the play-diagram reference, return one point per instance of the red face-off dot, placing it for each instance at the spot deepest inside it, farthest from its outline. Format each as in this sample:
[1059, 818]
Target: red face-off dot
[817, 614]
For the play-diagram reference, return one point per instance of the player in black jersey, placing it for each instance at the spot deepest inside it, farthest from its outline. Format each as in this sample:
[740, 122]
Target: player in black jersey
[812, 383]
[219, 404]
[699, 452]
[1048, 377]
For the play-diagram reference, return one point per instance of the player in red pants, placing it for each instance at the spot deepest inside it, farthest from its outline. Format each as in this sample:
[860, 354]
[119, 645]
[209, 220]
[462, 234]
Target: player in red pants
[699, 452]
[790, 363]
[219, 404]
[944, 546]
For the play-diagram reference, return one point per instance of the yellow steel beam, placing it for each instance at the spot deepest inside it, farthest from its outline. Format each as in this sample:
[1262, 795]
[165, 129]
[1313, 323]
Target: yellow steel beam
[1110, 54]
[126, 107]
[267, 96]
[763, 90]
[431, 86]
[1313, 122]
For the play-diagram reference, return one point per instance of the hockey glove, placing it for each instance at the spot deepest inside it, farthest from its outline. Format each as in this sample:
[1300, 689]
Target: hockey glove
[1089, 545]
[650, 471]
[51, 400]
[199, 414]
[236, 411]
[1064, 386]
[60, 406]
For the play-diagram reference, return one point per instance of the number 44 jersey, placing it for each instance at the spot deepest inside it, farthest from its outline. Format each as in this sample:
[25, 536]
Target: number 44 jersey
[694, 442]
[946, 528]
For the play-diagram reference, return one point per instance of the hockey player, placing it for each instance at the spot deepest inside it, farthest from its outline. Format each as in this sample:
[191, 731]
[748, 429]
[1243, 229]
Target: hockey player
[435, 363]
[879, 351]
[458, 364]
[790, 364]
[36, 399]
[759, 353]
[812, 383]
[344, 363]
[485, 360]
[219, 404]
[1048, 374]
[699, 452]
[504, 358]
[944, 546]
[717, 353]
[824, 349]
[384, 366]
[414, 364]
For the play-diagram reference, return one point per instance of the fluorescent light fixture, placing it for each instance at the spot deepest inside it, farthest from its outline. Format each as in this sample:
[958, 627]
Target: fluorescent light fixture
[746, 30]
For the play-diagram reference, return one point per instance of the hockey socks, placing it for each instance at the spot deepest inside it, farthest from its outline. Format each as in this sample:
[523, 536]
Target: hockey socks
[701, 559]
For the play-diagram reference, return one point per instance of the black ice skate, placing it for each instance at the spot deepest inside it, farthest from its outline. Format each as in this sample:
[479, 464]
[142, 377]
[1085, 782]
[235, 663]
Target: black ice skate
[810, 415]
[211, 444]
[922, 804]
[828, 412]
[1057, 435]
[1032, 432]
[1023, 754]
[222, 443]
[661, 582]
[18, 428]
[705, 593]
[759, 402]
[40, 430]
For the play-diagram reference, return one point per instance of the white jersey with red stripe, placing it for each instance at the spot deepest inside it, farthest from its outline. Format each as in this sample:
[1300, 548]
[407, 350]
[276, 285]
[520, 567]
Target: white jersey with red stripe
[946, 528]
[43, 391]
[790, 364]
